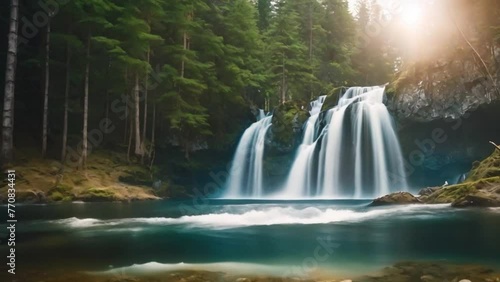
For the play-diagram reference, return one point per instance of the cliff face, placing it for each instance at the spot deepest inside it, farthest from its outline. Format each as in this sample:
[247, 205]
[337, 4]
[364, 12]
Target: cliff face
[446, 111]
[446, 88]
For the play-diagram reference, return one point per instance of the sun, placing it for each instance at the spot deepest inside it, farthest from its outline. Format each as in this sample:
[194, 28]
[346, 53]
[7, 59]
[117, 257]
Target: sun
[412, 15]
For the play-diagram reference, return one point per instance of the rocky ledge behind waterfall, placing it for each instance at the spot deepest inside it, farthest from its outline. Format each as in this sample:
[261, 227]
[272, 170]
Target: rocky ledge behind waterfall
[446, 88]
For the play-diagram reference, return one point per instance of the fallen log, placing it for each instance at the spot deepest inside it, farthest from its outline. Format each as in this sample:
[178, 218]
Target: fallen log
[496, 146]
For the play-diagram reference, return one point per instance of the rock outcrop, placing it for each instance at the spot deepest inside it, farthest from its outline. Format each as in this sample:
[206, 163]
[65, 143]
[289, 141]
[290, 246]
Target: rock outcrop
[286, 129]
[399, 198]
[443, 88]
[480, 189]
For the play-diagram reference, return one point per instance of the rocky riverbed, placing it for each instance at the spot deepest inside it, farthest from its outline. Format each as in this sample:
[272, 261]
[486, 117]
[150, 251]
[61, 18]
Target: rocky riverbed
[400, 272]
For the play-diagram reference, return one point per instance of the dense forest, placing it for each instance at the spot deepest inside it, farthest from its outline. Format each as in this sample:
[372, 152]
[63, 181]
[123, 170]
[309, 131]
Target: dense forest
[181, 76]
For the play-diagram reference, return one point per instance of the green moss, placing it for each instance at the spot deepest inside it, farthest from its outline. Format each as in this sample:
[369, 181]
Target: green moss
[98, 194]
[390, 91]
[482, 177]
[287, 119]
[61, 192]
[63, 188]
[488, 168]
[456, 192]
[56, 196]
[332, 98]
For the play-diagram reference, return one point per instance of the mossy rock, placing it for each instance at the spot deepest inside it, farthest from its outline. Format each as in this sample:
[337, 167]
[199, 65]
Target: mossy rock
[479, 189]
[484, 188]
[479, 199]
[59, 197]
[399, 198]
[288, 120]
[489, 167]
[332, 98]
[450, 194]
[61, 192]
[98, 195]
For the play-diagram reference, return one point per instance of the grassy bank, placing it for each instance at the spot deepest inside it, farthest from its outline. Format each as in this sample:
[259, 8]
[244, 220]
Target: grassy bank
[108, 177]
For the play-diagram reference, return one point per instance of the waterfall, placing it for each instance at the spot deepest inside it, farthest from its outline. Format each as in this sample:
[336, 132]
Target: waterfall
[356, 155]
[245, 175]
[349, 151]
[301, 174]
[261, 115]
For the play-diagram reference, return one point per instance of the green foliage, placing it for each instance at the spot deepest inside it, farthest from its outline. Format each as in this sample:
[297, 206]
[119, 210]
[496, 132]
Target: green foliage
[61, 192]
[490, 167]
[288, 118]
[483, 176]
[97, 194]
[374, 57]
[333, 98]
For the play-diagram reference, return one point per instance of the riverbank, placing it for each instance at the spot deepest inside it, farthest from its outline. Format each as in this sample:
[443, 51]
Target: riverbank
[108, 177]
[480, 189]
[399, 272]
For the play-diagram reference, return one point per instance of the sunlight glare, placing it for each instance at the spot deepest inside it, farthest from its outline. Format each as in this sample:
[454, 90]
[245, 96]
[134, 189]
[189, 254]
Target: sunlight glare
[412, 15]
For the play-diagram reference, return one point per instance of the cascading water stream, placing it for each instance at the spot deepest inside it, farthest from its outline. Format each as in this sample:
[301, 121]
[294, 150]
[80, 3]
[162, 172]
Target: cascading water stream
[356, 155]
[300, 176]
[350, 151]
[245, 175]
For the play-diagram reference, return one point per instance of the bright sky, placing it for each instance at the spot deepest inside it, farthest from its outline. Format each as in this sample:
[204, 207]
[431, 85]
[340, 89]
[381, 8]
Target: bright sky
[409, 10]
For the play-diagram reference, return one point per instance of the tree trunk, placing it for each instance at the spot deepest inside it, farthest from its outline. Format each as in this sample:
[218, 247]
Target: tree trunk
[183, 63]
[283, 82]
[83, 157]
[311, 49]
[137, 119]
[66, 95]
[10, 78]
[106, 90]
[186, 45]
[187, 148]
[131, 132]
[145, 119]
[153, 131]
[46, 92]
[125, 127]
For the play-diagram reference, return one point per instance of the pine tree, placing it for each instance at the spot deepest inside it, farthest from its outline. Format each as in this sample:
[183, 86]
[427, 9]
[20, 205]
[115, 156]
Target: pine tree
[134, 28]
[188, 119]
[337, 45]
[93, 15]
[374, 59]
[46, 90]
[287, 53]
[235, 38]
[264, 8]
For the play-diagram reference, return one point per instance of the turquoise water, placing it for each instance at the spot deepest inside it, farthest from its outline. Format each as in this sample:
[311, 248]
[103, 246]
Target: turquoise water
[279, 237]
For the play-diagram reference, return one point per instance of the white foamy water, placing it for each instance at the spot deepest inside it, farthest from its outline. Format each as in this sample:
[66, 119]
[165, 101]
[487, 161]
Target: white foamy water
[259, 217]
[233, 268]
